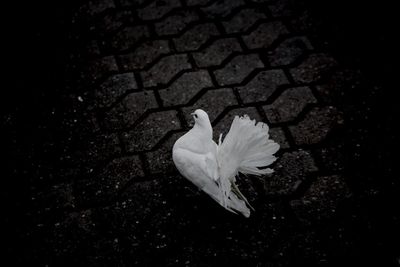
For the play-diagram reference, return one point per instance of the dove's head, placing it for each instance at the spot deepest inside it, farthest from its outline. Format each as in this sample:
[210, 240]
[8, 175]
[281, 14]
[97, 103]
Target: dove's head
[201, 120]
[200, 117]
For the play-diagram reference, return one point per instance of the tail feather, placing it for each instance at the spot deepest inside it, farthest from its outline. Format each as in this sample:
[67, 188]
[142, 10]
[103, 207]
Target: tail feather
[246, 148]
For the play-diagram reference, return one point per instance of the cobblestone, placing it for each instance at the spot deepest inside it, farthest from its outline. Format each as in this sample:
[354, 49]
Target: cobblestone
[321, 200]
[129, 110]
[216, 52]
[290, 170]
[185, 88]
[312, 69]
[144, 55]
[243, 20]
[165, 69]
[237, 69]
[224, 124]
[264, 35]
[317, 124]
[114, 87]
[109, 180]
[288, 51]
[146, 135]
[224, 98]
[288, 106]
[157, 9]
[262, 86]
[175, 23]
[193, 38]
[128, 37]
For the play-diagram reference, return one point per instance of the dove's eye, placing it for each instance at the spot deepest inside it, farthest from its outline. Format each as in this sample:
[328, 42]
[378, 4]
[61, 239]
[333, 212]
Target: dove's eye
[195, 115]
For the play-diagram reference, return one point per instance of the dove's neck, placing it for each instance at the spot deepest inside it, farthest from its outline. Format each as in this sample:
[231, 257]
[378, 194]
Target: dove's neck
[204, 130]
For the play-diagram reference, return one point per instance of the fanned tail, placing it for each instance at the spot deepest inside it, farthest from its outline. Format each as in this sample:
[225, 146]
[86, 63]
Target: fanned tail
[246, 148]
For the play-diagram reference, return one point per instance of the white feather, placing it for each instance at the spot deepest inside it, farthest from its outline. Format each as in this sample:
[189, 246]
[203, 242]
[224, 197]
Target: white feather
[213, 168]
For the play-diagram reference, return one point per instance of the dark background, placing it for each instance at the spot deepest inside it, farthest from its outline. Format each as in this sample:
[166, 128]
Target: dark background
[360, 34]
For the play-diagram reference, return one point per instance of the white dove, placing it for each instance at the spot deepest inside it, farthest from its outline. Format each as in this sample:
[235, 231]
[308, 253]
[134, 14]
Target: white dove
[213, 168]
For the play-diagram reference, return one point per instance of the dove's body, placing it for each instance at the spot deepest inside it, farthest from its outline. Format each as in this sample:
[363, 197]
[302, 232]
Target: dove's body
[213, 168]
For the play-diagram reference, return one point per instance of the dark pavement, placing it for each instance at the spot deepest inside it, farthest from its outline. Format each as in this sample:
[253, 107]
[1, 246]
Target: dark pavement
[100, 91]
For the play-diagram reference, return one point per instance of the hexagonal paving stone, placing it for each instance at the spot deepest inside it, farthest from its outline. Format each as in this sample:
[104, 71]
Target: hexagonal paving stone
[193, 38]
[262, 86]
[289, 104]
[216, 52]
[264, 35]
[165, 69]
[175, 23]
[288, 51]
[185, 88]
